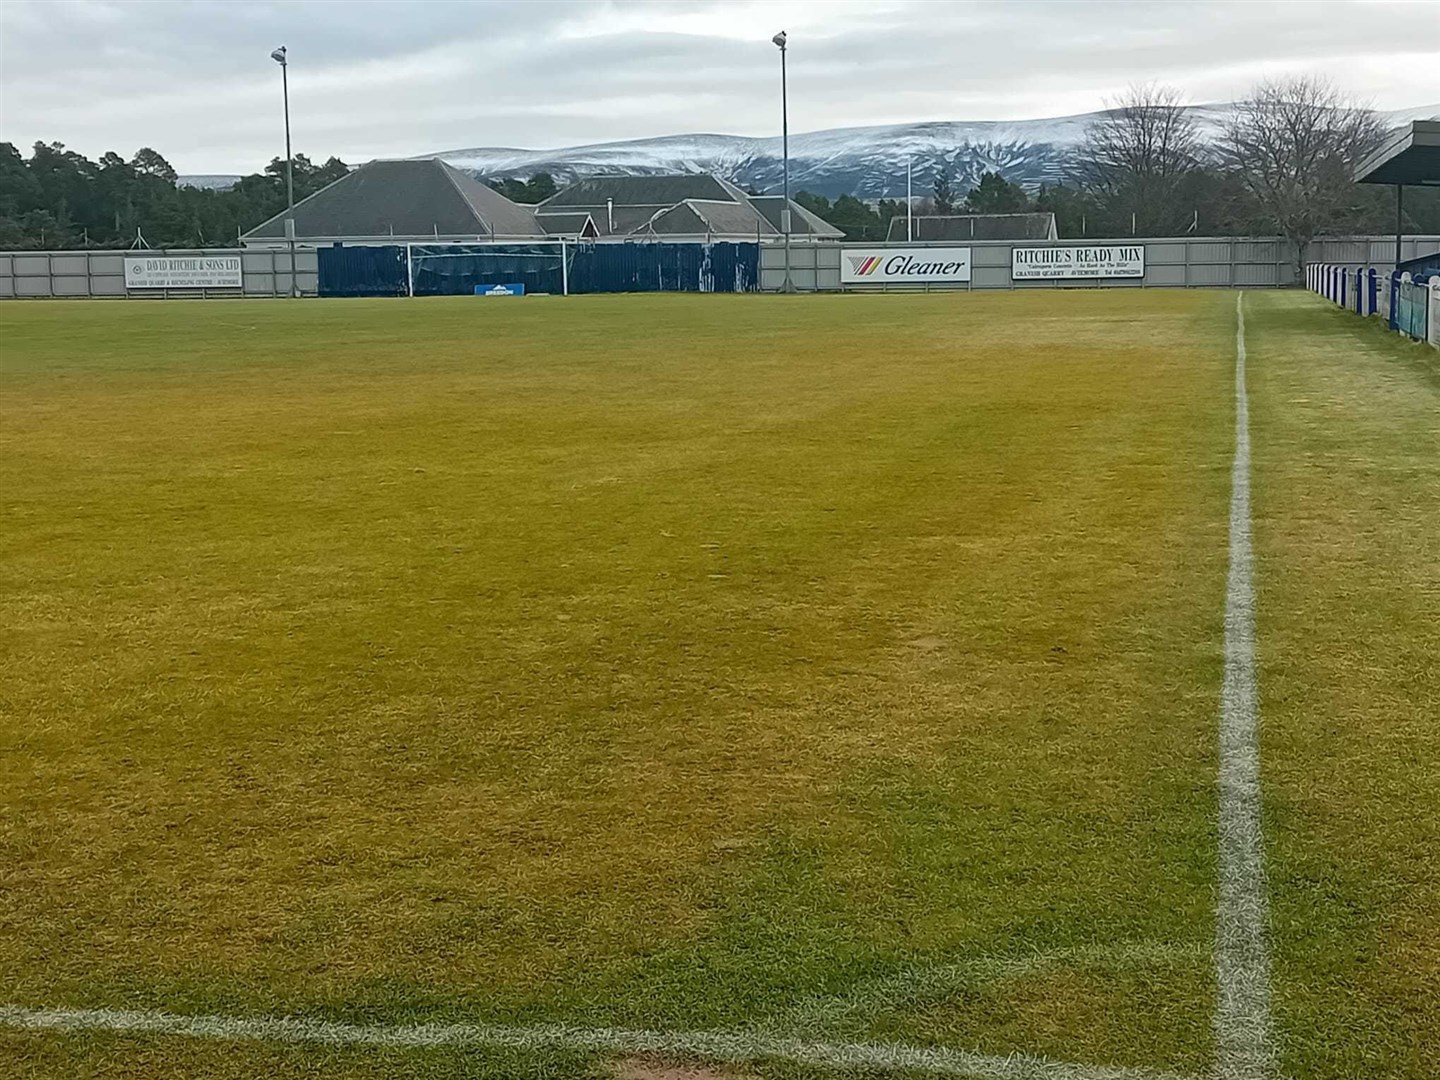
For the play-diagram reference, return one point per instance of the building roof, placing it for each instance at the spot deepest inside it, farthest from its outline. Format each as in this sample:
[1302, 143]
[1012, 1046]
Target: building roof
[580, 223]
[424, 197]
[1411, 157]
[1038, 226]
[626, 219]
[682, 219]
[681, 205]
[712, 217]
[802, 221]
[656, 192]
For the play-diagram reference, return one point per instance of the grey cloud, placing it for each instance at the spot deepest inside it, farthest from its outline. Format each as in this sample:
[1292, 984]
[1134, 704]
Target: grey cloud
[381, 78]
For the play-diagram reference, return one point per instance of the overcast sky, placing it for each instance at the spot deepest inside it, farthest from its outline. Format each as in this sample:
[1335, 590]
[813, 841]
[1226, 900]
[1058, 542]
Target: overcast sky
[373, 79]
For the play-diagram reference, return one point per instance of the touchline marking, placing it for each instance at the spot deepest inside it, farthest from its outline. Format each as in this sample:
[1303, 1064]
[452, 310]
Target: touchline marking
[727, 1046]
[891, 993]
[1242, 961]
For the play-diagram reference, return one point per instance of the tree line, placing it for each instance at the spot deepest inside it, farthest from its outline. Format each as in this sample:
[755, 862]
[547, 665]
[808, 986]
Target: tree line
[1282, 164]
[60, 199]
[992, 195]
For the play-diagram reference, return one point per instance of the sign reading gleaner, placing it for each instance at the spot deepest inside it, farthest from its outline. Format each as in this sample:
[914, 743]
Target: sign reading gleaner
[1119, 261]
[183, 272]
[911, 266]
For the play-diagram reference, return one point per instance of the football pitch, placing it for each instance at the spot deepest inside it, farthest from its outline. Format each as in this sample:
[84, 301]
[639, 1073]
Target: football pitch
[683, 687]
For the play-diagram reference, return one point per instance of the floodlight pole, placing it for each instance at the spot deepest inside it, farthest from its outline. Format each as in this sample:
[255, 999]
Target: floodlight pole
[1399, 224]
[780, 40]
[909, 199]
[281, 57]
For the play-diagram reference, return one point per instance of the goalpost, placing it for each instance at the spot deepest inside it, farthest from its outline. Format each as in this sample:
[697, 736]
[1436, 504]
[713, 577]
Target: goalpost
[461, 269]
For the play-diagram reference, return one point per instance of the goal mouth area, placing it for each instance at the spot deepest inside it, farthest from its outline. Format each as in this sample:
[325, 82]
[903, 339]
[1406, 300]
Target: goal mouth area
[465, 269]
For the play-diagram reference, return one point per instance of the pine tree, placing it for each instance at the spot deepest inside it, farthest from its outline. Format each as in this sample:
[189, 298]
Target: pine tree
[942, 193]
[996, 195]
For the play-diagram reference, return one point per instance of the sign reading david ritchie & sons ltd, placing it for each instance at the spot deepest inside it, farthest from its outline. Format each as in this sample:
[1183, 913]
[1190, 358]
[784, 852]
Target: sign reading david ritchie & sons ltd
[904, 266]
[1119, 261]
[183, 272]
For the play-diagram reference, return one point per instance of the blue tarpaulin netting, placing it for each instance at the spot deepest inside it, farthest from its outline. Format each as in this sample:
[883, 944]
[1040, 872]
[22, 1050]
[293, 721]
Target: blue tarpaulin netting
[457, 269]
[723, 267]
[361, 271]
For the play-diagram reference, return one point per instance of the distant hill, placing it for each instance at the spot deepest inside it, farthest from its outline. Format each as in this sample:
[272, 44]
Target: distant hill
[217, 181]
[865, 161]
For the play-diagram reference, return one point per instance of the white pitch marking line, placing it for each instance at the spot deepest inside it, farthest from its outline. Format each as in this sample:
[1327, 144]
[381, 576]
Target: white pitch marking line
[1242, 961]
[728, 1046]
[889, 993]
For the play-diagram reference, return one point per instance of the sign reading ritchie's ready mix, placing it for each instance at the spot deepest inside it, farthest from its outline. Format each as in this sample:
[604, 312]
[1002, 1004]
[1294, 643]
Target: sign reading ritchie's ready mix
[1117, 261]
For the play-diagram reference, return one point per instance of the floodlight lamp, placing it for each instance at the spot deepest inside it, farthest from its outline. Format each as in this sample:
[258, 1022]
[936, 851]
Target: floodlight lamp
[279, 55]
[779, 39]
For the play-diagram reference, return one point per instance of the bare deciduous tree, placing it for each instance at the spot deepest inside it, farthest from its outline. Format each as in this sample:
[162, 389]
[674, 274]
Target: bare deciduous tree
[1294, 144]
[1139, 158]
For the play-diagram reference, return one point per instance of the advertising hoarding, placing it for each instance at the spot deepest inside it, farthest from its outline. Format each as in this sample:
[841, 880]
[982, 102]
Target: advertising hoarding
[1048, 263]
[905, 265]
[183, 272]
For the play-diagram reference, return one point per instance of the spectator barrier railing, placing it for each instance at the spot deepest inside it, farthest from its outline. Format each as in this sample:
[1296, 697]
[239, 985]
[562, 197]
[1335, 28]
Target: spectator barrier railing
[1407, 302]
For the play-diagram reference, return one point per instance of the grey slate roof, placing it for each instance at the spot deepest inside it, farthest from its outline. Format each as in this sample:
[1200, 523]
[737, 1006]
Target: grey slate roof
[736, 219]
[802, 221]
[627, 219]
[1040, 226]
[580, 223]
[405, 198]
[682, 219]
[656, 192]
[682, 205]
[711, 217]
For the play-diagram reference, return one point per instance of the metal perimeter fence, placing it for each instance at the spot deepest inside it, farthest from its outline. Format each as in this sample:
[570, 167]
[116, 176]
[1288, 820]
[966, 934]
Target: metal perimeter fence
[157, 275]
[1168, 262]
[564, 267]
[383, 270]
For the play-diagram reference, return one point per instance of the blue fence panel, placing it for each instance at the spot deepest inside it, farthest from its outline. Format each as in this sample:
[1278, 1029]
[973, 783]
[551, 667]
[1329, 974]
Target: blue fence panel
[611, 268]
[457, 269]
[462, 269]
[361, 271]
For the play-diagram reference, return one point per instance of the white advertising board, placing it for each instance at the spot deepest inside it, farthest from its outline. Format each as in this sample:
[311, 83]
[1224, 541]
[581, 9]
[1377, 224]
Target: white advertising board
[909, 265]
[1114, 261]
[183, 272]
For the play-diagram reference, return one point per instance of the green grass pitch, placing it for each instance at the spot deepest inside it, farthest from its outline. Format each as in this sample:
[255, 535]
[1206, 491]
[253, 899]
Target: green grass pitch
[841, 668]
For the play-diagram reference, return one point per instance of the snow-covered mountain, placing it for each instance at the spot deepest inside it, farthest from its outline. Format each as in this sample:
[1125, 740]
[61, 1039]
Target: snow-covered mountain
[865, 161]
[217, 181]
